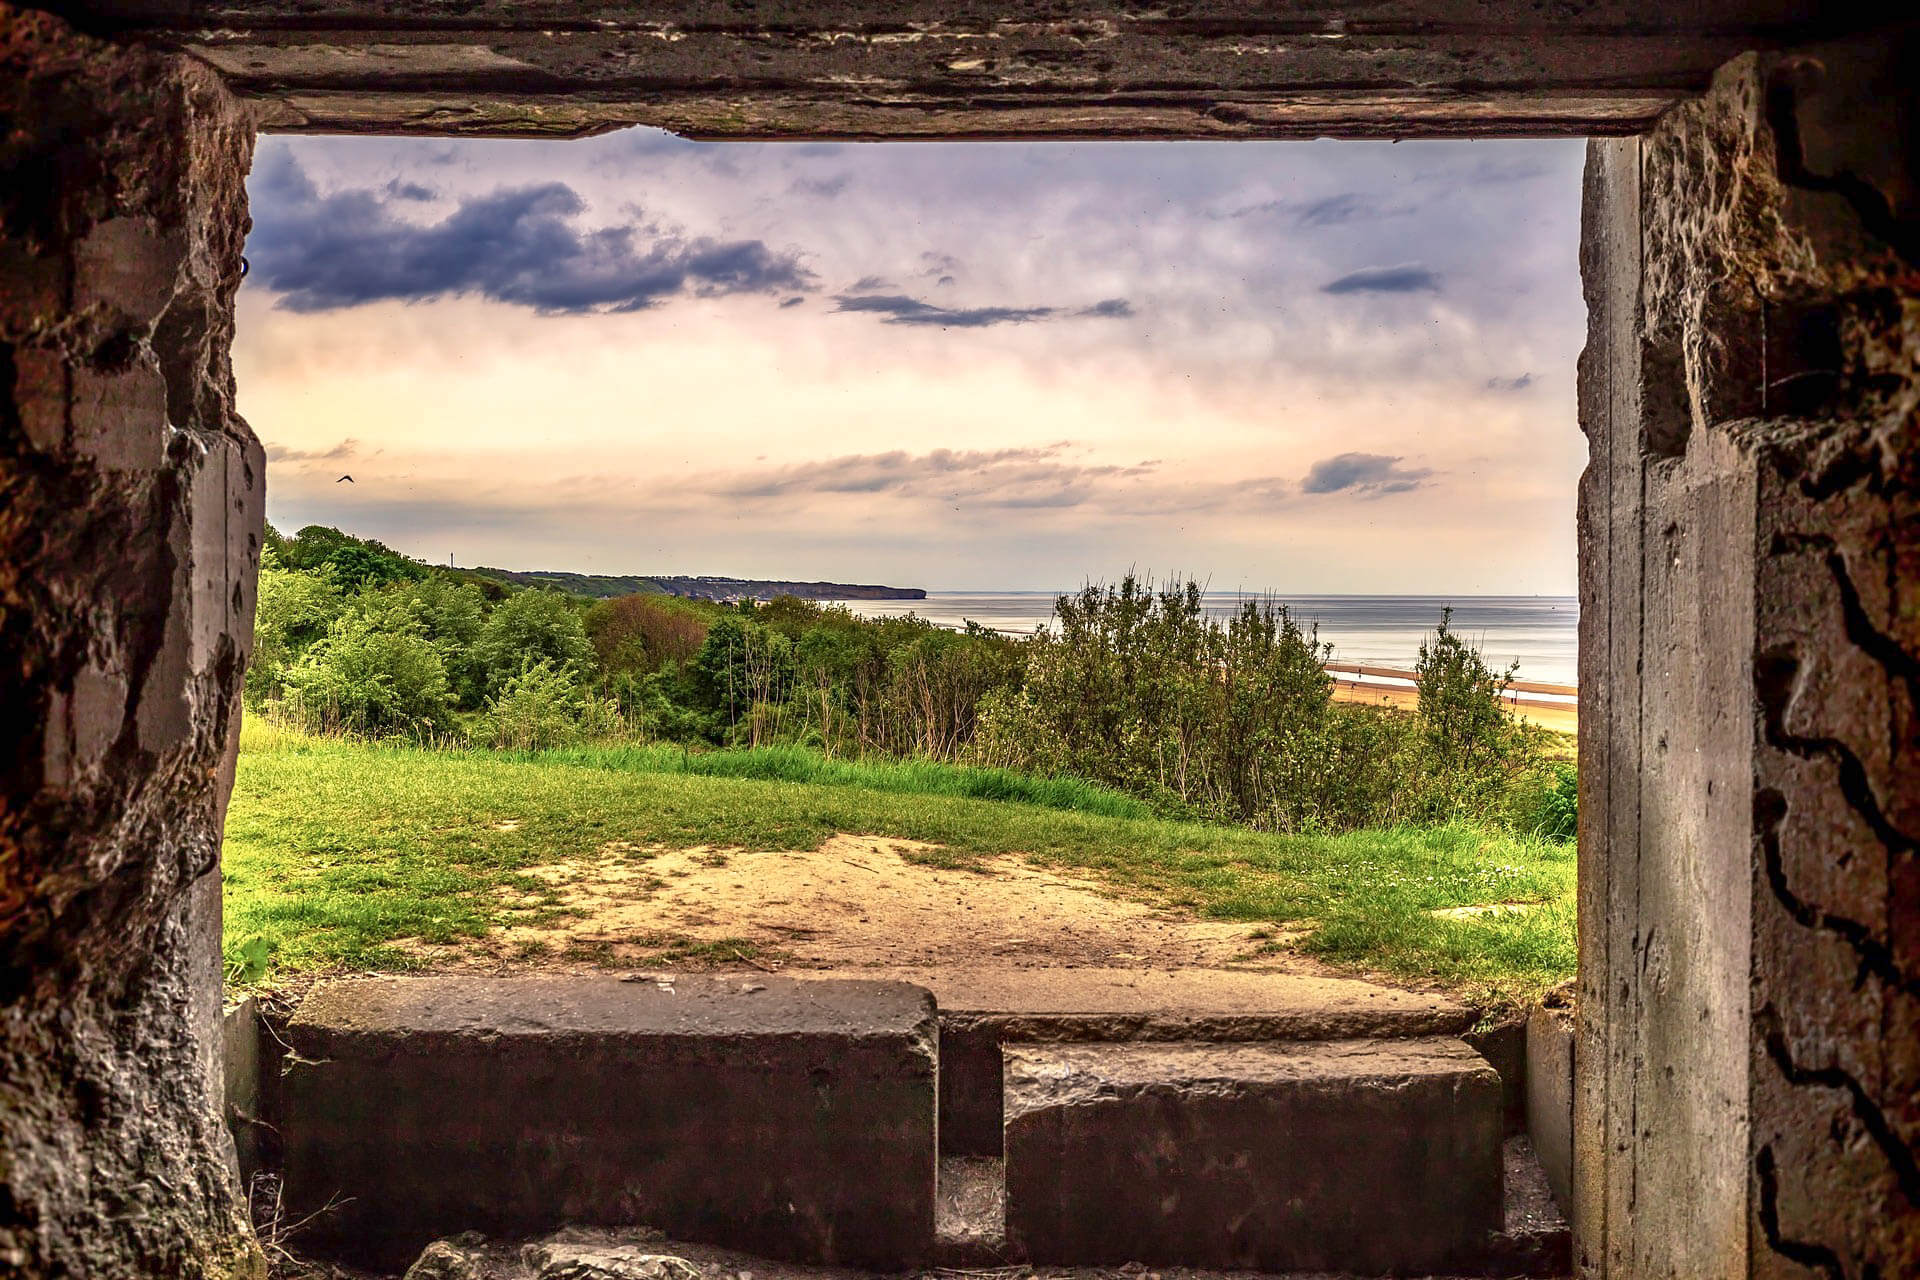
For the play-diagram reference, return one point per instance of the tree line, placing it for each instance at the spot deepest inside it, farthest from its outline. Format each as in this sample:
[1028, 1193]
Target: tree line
[1130, 686]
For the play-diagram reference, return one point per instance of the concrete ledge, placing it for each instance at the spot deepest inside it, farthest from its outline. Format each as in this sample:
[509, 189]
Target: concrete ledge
[1550, 1097]
[983, 1008]
[793, 1118]
[1367, 1156]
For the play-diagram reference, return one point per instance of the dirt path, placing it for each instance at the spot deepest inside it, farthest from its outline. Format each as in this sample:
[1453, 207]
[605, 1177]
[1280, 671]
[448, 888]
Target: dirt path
[856, 903]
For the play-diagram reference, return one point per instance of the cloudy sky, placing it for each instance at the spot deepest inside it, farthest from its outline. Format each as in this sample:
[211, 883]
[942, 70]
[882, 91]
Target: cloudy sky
[1295, 367]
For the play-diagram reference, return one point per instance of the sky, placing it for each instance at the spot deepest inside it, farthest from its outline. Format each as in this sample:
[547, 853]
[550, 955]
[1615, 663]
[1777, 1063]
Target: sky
[1286, 367]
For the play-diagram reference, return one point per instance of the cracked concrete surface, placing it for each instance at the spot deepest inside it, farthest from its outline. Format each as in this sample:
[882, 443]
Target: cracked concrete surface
[1749, 1054]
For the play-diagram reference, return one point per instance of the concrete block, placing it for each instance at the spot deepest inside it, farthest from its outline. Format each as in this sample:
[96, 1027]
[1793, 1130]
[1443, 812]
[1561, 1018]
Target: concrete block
[240, 1062]
[792, 1118]
[982, 1009]
[1504, 1046]
[1550, 1097]
[1358, 1155]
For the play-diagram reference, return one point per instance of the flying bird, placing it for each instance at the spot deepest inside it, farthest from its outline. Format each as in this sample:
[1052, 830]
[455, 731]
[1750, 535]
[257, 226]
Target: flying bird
[344, 480]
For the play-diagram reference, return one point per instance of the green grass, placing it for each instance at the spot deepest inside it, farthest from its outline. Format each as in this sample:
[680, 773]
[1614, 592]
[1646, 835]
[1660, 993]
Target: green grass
[339, 855]
[899, 777]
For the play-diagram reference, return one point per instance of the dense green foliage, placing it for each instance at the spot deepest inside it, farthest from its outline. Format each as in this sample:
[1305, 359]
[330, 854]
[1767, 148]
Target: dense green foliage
[1132, 689]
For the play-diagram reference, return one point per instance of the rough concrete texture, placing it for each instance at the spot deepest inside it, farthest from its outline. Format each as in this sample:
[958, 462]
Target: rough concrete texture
[130, 514]
[982, 1008]
[792, 1117]
[882, 68]
[245, 1105]
[589, 1254]
[1747, 1098]
[1369, 1155]
[1550, 1096]
[1504, 1046]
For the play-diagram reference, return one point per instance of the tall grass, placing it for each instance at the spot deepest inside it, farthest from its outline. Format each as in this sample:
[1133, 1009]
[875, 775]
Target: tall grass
[807, 765]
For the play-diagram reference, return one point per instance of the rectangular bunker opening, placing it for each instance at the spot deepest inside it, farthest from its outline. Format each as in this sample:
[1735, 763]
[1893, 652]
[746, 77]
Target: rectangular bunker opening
[1322, 831]
[135, 232]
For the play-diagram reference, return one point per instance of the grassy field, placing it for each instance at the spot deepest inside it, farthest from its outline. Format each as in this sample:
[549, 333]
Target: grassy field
[339, 854]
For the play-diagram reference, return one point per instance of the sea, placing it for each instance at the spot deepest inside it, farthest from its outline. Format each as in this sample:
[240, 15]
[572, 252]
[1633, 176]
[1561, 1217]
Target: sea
[1541, 633]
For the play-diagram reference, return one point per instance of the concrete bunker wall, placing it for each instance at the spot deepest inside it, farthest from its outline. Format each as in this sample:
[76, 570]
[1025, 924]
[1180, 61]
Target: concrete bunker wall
[129, 537]
[1748, 1060]
[1749, 1057]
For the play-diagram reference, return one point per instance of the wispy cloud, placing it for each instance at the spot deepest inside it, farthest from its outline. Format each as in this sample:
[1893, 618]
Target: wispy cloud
[401, 190]
[900, 309]
[524, 246]
[823, 188]
[1034, 476]
[347, 448]
[1520, 383]
[1407, 279]
[1372, 474]
[1327, 211]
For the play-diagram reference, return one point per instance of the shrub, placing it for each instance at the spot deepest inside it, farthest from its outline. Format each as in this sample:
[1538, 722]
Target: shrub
[532, 626]
[536, 708]
[1549, 808]
[294, 611]
[642, 633]
[449, 614]
[361, 679]
[1140, 690]
[1474, 752]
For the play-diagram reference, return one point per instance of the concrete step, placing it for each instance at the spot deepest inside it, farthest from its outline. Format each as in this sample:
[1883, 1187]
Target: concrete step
[970, 1227]
[984, 1008]
[1535, 1241]
[1373, 1156]
[796, 1119]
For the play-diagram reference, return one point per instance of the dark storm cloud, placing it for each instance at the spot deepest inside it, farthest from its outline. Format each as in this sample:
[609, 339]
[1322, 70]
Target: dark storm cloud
[1365, 473]
[409, 191]
[521, 246]
[1409, 279]
[1520, 383]
[899, 309]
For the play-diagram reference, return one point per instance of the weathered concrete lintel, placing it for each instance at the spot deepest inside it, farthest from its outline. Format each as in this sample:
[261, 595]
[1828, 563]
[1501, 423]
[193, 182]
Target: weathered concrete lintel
[777, 117]
[861, 69]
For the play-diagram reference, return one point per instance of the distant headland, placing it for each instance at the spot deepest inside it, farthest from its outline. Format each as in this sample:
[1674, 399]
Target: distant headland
[607, 586]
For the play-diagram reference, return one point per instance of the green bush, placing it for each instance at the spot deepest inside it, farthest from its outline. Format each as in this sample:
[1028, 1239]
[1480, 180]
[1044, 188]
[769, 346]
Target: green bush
[448, 614]
[529, 627]
[1140, 690]
[1474, 751]
[361, 679]
[1548, 806]
[537, 708]
[293, 612]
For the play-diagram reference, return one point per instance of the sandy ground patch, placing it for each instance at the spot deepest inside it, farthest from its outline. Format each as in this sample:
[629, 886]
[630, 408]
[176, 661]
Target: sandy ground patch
[856, 902]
